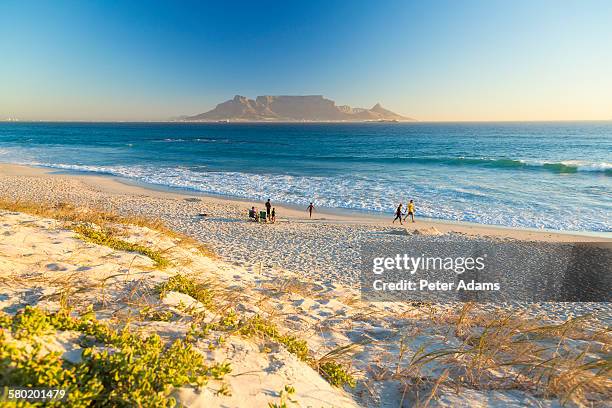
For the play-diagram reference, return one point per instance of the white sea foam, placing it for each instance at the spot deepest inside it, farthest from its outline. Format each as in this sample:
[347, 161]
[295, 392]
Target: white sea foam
[578, 165]
[588, 166]
[360, 193]
[196, 140]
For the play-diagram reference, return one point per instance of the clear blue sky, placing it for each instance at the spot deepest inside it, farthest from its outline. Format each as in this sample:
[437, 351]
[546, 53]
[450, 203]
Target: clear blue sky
[432, 60]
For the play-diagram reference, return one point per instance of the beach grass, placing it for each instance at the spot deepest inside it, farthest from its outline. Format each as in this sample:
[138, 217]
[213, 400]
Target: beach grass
[69, 213]
[501, 351]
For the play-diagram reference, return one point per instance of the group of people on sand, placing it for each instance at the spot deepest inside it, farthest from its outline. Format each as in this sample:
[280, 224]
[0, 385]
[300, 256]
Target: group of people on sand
[409, 212]
[270, 215]
[271, 212]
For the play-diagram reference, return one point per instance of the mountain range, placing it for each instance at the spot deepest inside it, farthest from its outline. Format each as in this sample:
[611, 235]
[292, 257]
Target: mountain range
[285, 108]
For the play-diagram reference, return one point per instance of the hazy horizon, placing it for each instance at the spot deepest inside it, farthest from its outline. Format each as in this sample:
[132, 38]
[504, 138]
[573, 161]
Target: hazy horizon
[476, 61]
[171, 120]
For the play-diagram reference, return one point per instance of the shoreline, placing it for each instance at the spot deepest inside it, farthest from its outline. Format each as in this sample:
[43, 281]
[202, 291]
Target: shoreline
[322, 215]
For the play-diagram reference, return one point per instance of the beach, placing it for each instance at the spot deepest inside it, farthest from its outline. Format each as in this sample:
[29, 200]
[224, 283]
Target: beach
[300, 273]
[325, 246]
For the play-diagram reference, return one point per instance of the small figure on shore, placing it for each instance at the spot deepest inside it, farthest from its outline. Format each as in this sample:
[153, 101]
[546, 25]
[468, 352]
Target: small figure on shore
[398, 214]
[310, 208]
[268, 207]
[273, 216]
[410, 211]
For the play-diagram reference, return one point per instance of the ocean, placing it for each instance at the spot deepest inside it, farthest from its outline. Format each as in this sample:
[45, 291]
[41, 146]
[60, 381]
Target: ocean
[539, 175]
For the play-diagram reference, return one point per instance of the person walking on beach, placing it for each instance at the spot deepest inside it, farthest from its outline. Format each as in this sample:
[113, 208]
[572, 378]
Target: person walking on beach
[273, 217]
[398, 214]
[410, 211]
[310, 208]
[268, 208]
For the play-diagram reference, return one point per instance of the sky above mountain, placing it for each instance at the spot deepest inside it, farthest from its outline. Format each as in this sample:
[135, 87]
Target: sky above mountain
[438, 60]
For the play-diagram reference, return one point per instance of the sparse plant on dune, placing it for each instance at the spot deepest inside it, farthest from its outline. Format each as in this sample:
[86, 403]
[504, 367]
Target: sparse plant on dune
[106, 238]
[258, 326]
[332, 367]
[285, 398]
[117, 368]
[184, 284]
[149, 313]
[336, 374]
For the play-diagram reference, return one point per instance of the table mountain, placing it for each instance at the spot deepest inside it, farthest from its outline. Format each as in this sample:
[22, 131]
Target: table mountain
[293, 109]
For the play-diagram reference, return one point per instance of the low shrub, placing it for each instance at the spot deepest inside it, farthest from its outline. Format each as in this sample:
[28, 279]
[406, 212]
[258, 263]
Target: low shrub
[117, 368]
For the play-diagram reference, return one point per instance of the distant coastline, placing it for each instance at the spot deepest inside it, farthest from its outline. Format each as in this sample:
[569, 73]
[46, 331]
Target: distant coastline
[413, 122]
[292, 108]
[234, 121]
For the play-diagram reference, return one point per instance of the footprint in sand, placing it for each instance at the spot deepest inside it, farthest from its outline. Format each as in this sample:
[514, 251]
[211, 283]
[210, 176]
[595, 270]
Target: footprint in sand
[56, 267]
[306, 304]
[325, 313]
[380, 333]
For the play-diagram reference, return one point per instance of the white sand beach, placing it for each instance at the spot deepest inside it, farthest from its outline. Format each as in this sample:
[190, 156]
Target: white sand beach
[299, 274]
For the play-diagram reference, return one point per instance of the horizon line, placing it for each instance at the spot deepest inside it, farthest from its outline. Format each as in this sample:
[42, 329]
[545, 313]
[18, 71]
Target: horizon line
[414, 121]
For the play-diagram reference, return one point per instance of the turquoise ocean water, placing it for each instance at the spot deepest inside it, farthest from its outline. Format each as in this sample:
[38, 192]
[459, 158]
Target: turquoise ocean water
[539, 175]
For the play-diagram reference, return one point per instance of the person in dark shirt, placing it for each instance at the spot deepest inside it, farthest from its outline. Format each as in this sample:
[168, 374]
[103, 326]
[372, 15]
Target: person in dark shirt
[398, 214]
[268, 208]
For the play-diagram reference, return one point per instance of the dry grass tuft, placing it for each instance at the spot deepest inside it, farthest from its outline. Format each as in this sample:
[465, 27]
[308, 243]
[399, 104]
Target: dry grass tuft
[501, 351]
[106, 220]
[69, 213]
